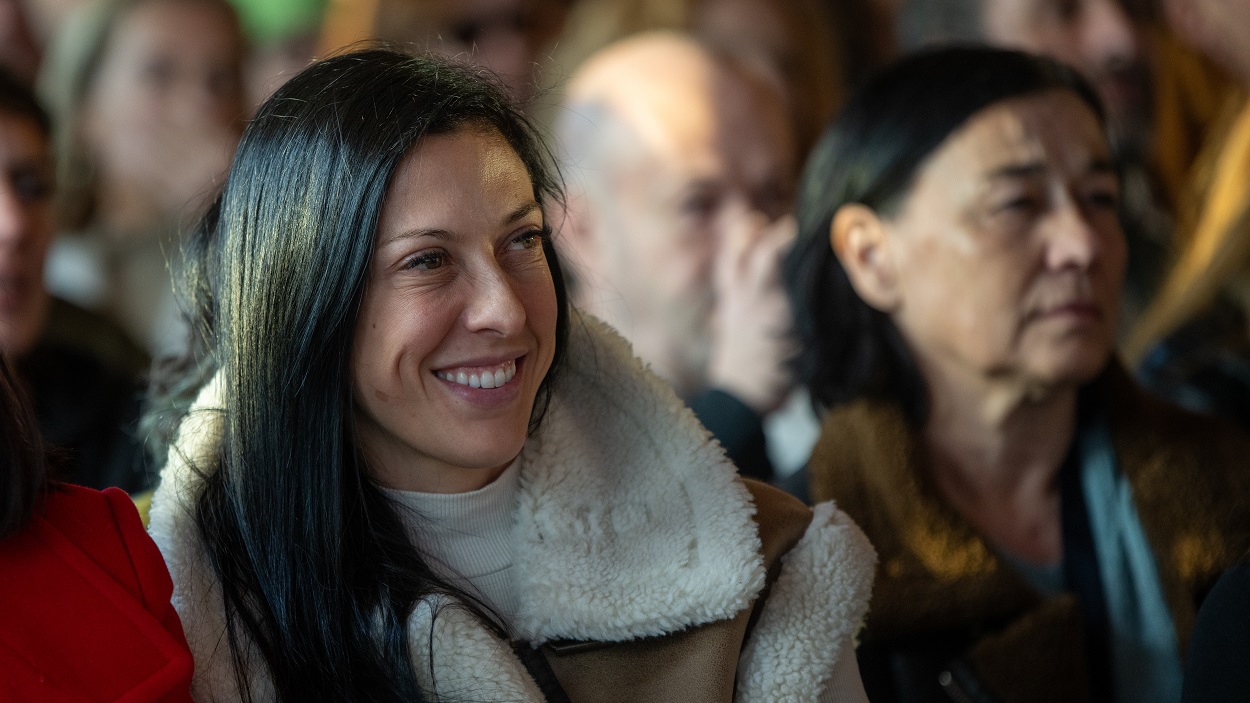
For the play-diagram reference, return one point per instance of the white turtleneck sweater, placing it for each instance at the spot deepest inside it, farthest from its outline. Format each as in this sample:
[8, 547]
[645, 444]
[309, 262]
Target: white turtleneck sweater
[468, 537]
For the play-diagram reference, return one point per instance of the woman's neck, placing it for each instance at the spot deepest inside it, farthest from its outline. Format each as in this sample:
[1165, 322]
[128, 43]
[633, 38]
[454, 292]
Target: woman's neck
[995, 449]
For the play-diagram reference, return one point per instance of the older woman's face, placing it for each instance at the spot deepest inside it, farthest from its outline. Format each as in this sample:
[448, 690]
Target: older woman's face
[458, 324]
[1008, 250]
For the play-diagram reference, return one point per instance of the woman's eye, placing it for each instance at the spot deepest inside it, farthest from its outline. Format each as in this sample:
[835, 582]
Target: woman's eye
[1019, 205]
[425, 261]
[1104, 199]
[527, 240]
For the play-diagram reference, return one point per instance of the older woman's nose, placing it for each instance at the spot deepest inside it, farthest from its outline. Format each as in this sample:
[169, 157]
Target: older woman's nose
[1074, 239]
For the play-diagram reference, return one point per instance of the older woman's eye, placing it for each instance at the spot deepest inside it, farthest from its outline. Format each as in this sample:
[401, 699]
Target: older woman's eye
[1021, 205]
[426, 261]
[1103, 199]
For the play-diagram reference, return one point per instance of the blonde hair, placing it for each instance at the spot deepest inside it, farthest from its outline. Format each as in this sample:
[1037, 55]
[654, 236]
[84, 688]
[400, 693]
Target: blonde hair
[1216, 257]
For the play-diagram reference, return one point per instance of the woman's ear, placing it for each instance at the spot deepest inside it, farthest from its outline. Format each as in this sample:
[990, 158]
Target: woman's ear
[862, 243]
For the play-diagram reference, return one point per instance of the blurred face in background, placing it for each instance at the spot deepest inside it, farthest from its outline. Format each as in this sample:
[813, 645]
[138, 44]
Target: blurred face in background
[1101, 38]
[1006, 259]
[696, 166]
[26, 227]
[508, 37]
[165, 108]
[1217, 27]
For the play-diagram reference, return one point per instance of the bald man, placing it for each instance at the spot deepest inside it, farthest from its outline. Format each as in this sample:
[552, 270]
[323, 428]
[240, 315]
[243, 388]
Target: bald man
[681, 175]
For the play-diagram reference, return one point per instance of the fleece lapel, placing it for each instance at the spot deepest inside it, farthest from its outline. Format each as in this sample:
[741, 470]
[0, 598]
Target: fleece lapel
[631, 522]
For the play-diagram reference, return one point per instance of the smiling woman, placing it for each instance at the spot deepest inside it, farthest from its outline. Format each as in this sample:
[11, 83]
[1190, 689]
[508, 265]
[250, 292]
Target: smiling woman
[458, 325]
[404, 470]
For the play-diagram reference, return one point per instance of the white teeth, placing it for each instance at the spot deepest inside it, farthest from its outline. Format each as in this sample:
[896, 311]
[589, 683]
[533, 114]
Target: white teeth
[483, 379]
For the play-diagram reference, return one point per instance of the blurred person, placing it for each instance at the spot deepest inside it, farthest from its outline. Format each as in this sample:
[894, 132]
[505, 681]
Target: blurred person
[1045, 529]
[794, 42]
[405, 469]
[283, 37]
[1106, 40]
[85, 595]
[81, 372]
[681, 176]
[1193, 341]
[511, 38]
[149, 104]
[868, 31]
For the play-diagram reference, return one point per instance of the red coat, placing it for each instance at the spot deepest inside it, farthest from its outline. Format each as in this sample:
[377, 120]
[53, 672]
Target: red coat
[84, 607]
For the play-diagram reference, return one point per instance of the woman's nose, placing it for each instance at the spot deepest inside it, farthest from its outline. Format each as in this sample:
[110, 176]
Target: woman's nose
[493, 304]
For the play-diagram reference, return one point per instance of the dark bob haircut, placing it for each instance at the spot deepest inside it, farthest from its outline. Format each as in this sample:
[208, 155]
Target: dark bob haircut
[316, 566]
[870, 156]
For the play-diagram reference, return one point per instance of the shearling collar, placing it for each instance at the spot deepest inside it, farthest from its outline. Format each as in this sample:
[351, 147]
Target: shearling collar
[628, 518]
[1189, 486]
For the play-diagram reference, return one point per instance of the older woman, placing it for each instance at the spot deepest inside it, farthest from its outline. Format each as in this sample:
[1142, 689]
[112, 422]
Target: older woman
[1045, 531]
[411, 472]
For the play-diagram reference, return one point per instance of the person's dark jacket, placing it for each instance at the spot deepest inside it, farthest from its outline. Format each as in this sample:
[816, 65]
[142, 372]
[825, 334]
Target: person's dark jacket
[83, 378]
[1218, 670]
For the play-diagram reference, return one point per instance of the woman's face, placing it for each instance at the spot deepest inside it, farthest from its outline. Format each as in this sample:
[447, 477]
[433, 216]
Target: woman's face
[165, 107]
[1008, 255]
[457, 327]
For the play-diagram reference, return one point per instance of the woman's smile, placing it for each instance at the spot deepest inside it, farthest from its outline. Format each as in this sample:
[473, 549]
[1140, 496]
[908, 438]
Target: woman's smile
[485, 376]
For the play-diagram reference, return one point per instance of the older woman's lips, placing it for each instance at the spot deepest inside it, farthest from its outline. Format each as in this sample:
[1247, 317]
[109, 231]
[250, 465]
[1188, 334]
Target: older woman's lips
[1073, 311]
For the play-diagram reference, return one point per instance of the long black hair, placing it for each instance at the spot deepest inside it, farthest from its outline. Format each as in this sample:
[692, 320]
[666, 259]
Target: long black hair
[315, 564]
[870, 155]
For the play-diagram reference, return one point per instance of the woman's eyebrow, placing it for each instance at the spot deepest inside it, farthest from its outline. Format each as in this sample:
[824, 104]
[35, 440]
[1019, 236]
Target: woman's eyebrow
[440, 234]
[521, 212]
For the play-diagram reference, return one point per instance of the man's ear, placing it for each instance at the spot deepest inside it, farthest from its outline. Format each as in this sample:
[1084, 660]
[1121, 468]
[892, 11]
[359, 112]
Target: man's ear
[862, 243]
